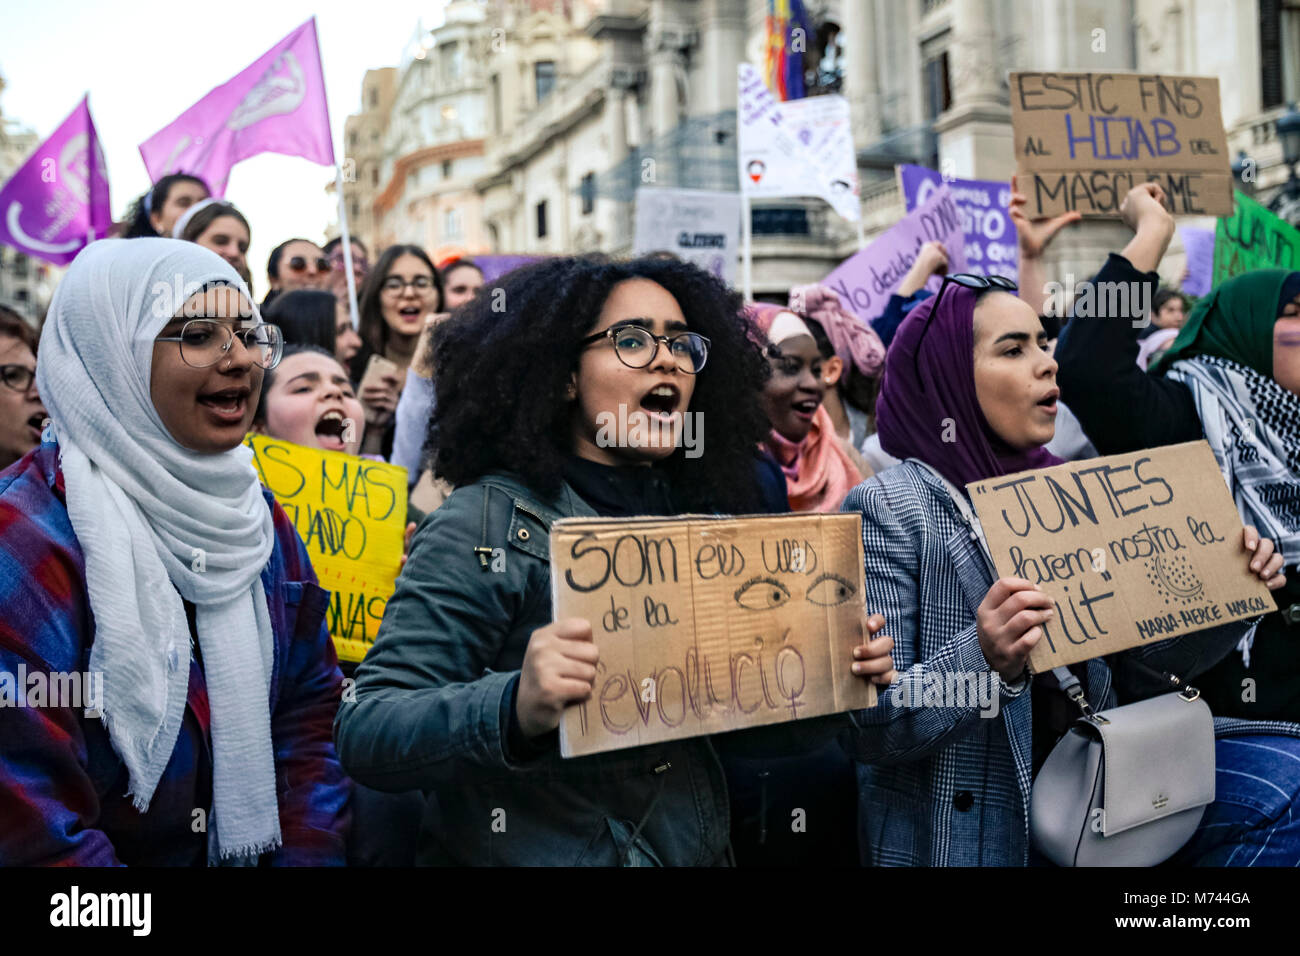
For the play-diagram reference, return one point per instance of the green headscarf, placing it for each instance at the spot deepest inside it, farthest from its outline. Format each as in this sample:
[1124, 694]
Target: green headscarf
[1235, 321]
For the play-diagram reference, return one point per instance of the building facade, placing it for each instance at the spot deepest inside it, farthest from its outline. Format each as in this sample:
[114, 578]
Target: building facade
[581, 102]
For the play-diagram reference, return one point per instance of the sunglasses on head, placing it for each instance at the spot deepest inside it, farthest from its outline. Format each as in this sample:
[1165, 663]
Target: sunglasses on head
[299, 264]
[966, 280]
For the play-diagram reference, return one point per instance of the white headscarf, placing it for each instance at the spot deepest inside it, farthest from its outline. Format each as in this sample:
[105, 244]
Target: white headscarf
[153, 519]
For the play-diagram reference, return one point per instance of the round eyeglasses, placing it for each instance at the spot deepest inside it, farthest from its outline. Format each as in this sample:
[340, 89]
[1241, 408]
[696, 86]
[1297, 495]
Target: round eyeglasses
[17, 377]
[205, 343]
[637, 347]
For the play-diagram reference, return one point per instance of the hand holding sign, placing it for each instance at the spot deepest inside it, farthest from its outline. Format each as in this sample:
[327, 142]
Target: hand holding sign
[1265, 560]
[559, 669]
[1009, 623]
[873, 659]
[1035, 235]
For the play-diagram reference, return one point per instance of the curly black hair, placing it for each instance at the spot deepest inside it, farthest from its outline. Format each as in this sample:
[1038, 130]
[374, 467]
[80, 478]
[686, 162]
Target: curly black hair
[502, 364]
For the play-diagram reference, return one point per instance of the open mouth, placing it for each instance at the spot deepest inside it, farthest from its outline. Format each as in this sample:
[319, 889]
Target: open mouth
[227, 405]
[409, 313]
[1048, 402]
[806, 409]
[330, 428]
[36, 423]
[661, 400]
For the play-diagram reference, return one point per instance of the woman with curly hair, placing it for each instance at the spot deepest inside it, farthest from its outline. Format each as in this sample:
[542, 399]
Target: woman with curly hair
[463, 690]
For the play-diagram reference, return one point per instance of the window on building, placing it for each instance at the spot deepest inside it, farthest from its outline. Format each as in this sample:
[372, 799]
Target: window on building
[541, 219]
[938, 94]
[352, 140]
[587, 190]
[780, 221]
[824, 63]
[356, 210]
[1279, 52]
[374, 98]
[446, 169]
[451, 224]
[544, 78]
[374, 175]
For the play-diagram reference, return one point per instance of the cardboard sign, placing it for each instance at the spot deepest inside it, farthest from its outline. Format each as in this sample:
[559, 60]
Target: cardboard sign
[710, 624]
[1083, 140]
[866, 279]
[1133, 549]
[351, 514]
[991, 244]
[1253, 238]
[699, 226]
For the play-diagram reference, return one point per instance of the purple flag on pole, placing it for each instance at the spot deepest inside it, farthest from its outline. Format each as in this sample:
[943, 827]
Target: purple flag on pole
[58, 201]
[277, 105]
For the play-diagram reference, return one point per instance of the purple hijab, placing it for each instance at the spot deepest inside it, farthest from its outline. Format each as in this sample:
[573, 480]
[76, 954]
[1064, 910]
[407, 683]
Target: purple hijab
[913, 423]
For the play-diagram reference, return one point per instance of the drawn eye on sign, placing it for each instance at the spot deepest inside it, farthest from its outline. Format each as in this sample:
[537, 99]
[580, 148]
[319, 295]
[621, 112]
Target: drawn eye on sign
[764, 593]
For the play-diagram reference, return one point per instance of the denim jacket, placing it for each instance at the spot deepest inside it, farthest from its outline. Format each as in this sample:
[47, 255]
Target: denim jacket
[435, 695]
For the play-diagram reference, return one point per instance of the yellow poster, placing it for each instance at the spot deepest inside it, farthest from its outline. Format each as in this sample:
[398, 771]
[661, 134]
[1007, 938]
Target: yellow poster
[351, 514]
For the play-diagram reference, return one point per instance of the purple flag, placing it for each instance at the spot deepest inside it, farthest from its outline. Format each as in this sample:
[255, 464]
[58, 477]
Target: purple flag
[277, 105]
[1199, 244]
[866, 280]
[58, 201]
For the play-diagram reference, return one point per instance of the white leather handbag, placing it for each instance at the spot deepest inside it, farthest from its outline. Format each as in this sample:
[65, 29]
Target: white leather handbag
[1127, 786]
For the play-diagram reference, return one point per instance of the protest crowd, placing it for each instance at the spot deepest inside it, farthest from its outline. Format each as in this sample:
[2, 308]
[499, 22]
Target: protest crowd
[149, 430]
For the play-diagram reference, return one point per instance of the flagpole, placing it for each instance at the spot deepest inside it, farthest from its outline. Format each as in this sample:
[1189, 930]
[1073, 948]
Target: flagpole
[746, 242]
[347, 247]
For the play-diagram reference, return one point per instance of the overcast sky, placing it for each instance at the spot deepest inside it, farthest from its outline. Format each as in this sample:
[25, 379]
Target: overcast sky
[144, 62]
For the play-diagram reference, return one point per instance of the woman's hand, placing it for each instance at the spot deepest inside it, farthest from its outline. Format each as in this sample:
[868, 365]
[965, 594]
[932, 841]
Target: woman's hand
[406, 541]
[931, 259]
[380, 401]
[1008, 622]
[1264, 560]
[872, 658]
[559, 669]
[1143, 209]
[1035, 235]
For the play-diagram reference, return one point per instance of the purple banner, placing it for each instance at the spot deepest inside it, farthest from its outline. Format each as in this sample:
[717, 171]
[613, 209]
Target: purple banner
[277, 105]
[1199, 244]
[991, 246]
[58, 201]
[865, 281]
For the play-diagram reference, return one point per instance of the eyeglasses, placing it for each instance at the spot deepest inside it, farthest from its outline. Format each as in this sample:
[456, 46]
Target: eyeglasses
[637, 347]
[299, 264]
[204, 342]
[966, 280]
[398, 284]
[17, 377]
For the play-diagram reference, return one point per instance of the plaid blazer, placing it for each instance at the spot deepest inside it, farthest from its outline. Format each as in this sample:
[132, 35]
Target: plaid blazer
[940, 785]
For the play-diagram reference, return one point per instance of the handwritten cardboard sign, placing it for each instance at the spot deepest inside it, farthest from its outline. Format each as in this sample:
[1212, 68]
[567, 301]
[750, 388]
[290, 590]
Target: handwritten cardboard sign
[1133, 549]
[1253, 238]
[1083, 140]
[351, 515]
[867, 279]
[707, 624]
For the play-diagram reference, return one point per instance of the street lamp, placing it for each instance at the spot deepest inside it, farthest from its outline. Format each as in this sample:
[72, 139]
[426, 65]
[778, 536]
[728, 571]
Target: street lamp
[1288, 131]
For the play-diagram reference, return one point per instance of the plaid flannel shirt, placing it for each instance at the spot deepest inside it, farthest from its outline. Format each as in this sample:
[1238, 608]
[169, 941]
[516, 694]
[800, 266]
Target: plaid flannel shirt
[63, 786]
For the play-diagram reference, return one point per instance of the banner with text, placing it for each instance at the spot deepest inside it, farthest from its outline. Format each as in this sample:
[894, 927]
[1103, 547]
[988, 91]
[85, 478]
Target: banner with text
[1083, 140]
[778, 158]
[697, 225]
[351, 514]
[991, 244]
[1253, 238]
[707, 625]
[1133, 549]
[865, 280]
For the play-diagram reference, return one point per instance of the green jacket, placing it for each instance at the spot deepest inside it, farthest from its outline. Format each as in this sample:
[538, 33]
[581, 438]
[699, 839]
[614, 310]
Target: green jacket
[434, 698]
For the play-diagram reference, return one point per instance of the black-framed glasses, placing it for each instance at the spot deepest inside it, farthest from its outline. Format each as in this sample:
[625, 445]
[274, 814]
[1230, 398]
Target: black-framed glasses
[398, 284]
[17, 377]
[637, 347]
[967, 280]
[205, 342]
[299, 264]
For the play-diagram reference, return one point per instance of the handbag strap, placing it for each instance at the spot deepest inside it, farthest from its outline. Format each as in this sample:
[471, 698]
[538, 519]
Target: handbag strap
[1072, 688]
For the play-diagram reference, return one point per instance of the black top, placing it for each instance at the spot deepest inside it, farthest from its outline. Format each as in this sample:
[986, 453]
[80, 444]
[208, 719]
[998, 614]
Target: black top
[1121, 407]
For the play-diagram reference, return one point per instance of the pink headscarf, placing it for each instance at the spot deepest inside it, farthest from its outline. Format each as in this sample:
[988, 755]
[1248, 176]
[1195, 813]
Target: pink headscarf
[854, 341]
